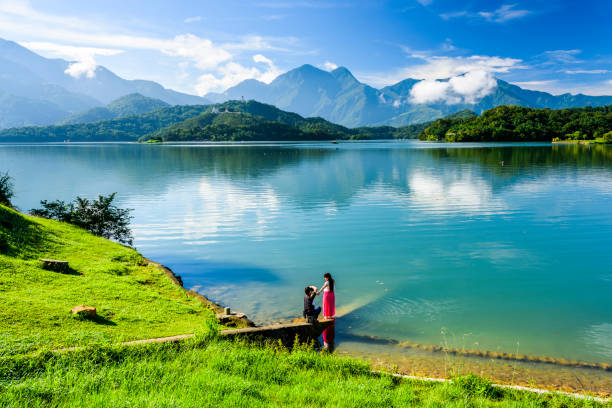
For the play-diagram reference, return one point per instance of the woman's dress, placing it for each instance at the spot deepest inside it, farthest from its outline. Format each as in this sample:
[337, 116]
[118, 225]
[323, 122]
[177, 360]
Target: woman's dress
[329, 301]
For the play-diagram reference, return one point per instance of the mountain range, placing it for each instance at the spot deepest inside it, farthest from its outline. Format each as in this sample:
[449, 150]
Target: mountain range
[232, 120]
[37, 91]
[340, 98]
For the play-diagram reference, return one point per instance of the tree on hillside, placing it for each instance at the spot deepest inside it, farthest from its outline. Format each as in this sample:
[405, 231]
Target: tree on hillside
[6, 189]
[100, 217]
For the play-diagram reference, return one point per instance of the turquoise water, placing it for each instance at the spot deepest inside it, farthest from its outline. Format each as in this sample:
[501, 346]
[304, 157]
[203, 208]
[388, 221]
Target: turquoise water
[430, 243]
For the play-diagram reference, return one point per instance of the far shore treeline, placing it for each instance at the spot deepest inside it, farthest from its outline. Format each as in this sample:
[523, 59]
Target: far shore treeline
[255, 121]
[520, 124]
[229, 121]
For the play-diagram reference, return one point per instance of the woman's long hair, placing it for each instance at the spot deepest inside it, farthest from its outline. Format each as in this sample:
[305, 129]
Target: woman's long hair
[330, 279]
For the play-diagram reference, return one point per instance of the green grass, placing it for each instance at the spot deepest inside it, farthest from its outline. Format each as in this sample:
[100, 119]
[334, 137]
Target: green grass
[138, 301]
[599, 140]
[133, 300]
[215, 373]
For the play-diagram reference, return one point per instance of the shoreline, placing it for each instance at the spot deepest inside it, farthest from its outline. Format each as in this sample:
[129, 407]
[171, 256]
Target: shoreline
[432, 363]
[499, 355]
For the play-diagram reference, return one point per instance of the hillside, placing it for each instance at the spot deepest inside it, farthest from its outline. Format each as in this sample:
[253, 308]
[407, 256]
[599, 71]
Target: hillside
[37, 91]
[133, 104]
[230, 127]
[134, 300]
[252, 120]
[516, 123]
[339, 97]
[125, 129]
[174, 123]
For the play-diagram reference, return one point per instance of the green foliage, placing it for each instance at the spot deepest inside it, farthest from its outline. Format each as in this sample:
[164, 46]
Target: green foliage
[473, 385]
[244, 121]
[515, 123]
[100, 217]
[217, 373]
[133, 298]
[132, 104]
[254, 121]
[128, 128]
[6, 189]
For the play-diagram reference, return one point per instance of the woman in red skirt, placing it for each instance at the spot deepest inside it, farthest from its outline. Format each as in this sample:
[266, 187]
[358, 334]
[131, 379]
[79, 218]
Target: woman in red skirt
[329, 299]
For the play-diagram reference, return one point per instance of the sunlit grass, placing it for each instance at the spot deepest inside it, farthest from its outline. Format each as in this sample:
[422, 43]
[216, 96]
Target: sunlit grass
[134, 300]
[211, 372]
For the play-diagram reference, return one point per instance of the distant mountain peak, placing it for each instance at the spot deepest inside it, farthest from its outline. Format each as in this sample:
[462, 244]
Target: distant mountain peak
[342, 72]
[39, 91]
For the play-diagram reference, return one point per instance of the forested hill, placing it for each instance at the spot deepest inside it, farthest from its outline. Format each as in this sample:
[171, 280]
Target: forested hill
[125, 129]
[187, 122]
[132, 104]
[516, 123]
[252, 120]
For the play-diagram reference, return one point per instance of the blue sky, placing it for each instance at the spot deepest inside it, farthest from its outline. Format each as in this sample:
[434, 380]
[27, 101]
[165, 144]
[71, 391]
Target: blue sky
[202, 46]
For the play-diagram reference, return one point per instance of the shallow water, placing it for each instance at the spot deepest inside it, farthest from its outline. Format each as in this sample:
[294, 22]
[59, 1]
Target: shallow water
[429, 243]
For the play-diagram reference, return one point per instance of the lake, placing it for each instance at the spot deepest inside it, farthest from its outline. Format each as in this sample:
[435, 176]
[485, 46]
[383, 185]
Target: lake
[493, 247]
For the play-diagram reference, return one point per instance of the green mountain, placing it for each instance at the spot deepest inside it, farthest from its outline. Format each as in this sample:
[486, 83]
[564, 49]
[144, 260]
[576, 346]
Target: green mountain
[29, 82]
[232, 120]
[339, 97]
[132, 104]
[252, 120]
[522, 124]
[127, 128]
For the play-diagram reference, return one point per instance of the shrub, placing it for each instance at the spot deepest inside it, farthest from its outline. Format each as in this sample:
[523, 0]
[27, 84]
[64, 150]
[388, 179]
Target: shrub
[473, 385]
[100, 217]
[6, 189]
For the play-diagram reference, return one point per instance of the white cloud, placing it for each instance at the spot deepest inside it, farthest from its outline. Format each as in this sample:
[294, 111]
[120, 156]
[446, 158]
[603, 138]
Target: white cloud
[438, 67]
[84, 63]
[201, 51]
[503, 14]
[330, 66]
[271, 71]
[197, 58]
[424, 2]
[428, 91]
[455, 14]
[465, 79]
[531, 84]
[561, 56]
[587, 71]
[468, 88]
[556, 87]
[195, 19]
[232, 73]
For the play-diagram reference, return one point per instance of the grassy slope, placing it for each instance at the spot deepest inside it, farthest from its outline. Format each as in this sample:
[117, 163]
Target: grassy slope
[138, 301]
[133, 300]
[218, 373]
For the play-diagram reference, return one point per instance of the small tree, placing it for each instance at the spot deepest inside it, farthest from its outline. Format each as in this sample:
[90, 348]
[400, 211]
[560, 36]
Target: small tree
[100, 217]
[6, 189]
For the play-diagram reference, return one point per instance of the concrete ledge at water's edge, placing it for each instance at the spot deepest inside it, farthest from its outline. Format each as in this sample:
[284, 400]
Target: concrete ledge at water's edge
[286, 333]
